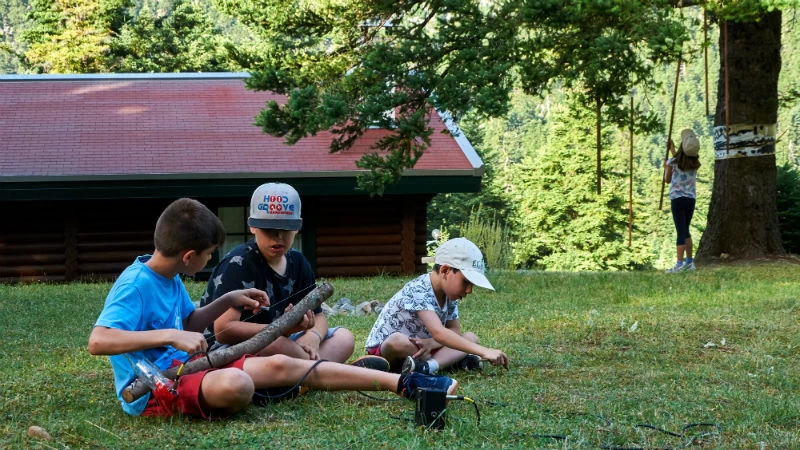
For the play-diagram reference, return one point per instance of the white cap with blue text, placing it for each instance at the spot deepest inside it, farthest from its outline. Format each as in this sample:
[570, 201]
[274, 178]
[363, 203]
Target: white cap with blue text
[461, 254]
[275, 206]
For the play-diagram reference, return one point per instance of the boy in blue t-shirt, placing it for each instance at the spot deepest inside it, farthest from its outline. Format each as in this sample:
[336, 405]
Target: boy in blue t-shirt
[148, 315]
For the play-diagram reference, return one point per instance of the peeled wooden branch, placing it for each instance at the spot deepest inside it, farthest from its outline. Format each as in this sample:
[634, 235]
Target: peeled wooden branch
[263, 338]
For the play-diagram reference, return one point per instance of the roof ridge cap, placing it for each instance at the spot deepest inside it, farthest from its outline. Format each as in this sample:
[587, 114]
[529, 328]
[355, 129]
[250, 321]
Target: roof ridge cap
[127, 76]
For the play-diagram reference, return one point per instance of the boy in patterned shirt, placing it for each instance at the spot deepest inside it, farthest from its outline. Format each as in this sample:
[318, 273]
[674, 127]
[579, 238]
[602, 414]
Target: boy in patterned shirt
[419, 330]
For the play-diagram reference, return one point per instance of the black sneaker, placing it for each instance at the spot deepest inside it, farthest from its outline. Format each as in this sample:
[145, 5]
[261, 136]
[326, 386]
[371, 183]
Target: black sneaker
[470, 362]
[411, 381]
[372, 362]
[415, 365]
[264, 397]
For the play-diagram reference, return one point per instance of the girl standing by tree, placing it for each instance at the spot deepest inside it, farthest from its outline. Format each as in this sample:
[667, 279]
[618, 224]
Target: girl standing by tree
[681, 172]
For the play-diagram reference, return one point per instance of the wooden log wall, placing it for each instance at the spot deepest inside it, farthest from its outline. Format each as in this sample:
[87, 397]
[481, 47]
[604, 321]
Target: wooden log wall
[365, 237]
[74, 240]
[96, 240]
[33, 255]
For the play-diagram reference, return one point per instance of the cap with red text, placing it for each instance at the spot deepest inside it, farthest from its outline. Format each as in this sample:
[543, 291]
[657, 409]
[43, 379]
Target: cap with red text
[275, 206]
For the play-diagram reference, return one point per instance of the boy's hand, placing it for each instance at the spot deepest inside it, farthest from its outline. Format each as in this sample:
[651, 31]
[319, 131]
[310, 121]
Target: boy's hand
[251, 299]
[424, 347]
[313, 353]
[188, 341]
[306, 324]
[496, 358]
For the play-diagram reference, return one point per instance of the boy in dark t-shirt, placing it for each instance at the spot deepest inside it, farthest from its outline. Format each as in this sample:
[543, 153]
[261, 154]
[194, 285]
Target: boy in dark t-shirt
[270, 264]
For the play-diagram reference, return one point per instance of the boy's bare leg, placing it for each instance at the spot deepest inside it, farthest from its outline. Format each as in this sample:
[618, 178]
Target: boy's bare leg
[227, 390]
[396, 348]
[447, 356]
[284, 346]
[338, 347]
[281, 370]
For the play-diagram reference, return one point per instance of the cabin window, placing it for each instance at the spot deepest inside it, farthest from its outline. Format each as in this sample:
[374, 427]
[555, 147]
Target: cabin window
[234, 219]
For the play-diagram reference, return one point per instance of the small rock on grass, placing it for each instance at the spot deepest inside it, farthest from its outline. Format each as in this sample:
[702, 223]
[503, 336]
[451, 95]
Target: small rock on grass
[38, 433]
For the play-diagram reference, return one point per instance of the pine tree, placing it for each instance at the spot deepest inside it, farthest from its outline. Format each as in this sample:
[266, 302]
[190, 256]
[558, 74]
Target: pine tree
[561, 221]
[182, 39]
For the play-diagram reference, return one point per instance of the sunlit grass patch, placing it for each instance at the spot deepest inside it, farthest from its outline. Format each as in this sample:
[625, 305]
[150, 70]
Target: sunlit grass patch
[593, 356]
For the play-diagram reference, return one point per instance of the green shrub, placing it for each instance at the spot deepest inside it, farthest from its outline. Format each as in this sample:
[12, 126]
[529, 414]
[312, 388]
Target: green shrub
[788, 203]
[490, 235]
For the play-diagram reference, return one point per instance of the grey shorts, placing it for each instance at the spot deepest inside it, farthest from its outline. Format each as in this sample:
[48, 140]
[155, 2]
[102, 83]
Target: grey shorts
[296, 336]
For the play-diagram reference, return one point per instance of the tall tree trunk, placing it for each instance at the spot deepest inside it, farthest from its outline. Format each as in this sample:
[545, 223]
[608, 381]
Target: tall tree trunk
[743, 216]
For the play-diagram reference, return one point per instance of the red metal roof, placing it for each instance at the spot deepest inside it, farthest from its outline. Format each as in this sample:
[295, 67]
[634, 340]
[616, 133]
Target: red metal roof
[172, 125]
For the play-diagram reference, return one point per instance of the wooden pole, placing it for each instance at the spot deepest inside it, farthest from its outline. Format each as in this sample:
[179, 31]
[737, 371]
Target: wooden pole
[224, 356]
[669, 133]
[705, 53]
[599, 145]
[630, 183]
[727, 103]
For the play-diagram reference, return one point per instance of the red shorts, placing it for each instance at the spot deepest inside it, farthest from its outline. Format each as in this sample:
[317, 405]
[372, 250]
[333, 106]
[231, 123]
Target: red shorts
[374, 351]
[188, 399]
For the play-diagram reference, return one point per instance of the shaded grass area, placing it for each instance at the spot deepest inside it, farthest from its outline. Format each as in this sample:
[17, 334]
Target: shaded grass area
[593, 356]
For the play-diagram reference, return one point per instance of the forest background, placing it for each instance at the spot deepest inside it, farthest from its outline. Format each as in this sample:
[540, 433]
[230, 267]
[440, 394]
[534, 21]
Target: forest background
[538, 207]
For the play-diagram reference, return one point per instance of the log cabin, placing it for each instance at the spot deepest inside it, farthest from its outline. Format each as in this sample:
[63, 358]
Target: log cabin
[88, 162]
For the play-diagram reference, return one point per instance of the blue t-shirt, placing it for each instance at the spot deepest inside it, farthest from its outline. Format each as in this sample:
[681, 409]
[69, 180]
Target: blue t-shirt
[142, 300]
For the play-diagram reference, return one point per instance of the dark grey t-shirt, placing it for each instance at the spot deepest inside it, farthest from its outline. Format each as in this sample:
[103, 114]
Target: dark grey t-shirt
[245, 267]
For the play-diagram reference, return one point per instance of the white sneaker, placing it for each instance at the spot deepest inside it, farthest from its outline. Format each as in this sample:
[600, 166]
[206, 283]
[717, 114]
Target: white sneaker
[688, 267]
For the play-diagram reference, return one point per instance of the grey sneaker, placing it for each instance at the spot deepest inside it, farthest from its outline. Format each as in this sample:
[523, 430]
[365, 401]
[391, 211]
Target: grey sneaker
[415, 365]
[688, 267]
[678, 267]
[470, 362]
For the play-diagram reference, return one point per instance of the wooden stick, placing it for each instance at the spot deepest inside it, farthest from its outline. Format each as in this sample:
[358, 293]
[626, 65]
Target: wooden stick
[669, 133]
[263, 338]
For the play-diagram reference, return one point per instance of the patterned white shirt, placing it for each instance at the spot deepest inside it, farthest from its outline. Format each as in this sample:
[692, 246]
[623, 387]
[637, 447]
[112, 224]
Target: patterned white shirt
[399, 315]
[683, 184]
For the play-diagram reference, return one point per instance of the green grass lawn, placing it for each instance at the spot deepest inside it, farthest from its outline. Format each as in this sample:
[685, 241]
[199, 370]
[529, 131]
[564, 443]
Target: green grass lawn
[593, 357]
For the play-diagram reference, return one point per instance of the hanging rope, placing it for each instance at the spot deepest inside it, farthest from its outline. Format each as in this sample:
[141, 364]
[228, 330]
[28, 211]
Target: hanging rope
[669, 133]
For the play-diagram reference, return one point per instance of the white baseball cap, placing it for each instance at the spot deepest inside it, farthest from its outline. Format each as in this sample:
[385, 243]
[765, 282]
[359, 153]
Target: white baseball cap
[461, 254]
[689, 143]
[275, 206]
